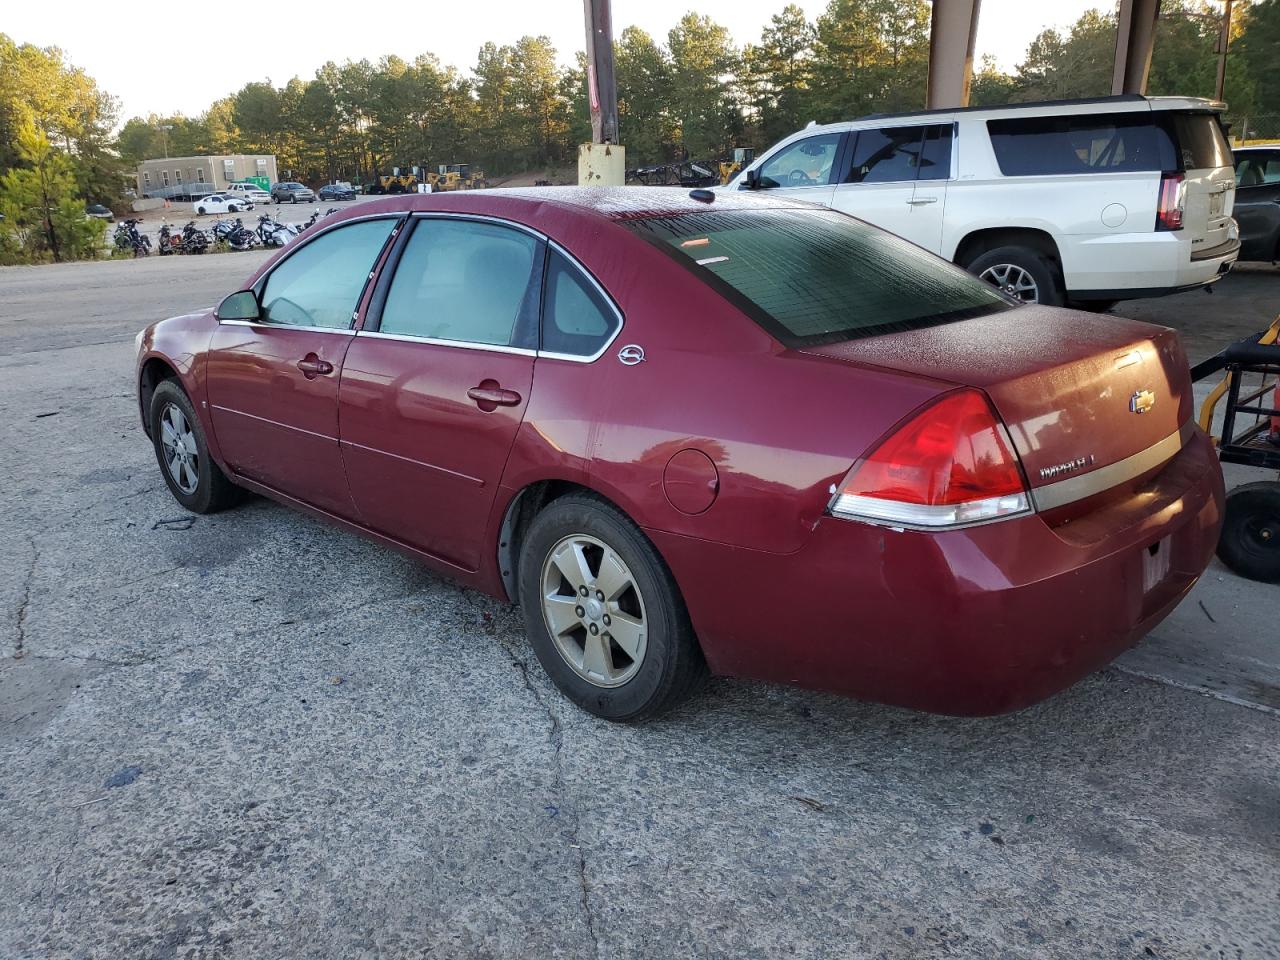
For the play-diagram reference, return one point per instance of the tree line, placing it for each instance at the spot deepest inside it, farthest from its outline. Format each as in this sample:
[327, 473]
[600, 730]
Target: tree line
[693, 93]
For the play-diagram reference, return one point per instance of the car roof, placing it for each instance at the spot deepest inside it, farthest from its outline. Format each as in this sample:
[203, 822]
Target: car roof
[606, 203]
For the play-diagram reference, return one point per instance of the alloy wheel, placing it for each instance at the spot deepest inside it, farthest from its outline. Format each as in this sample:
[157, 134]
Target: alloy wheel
[593, 610]
[1013, 280]
[181, 455]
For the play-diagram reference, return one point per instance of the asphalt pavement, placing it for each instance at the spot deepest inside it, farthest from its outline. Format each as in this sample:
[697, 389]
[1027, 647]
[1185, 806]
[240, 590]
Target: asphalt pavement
[253, 736]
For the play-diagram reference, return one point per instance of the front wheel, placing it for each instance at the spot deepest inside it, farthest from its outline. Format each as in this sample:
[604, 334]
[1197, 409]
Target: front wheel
[1020, 272]
[604, 614]
[193, 478]
[1250, 540]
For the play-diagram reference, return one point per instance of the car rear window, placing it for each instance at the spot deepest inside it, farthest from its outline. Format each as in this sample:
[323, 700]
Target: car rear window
[811, 277]
[1201, 141]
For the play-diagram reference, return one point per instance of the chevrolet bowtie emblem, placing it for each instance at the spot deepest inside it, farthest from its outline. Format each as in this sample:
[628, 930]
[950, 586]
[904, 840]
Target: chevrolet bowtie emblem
[1142, 401]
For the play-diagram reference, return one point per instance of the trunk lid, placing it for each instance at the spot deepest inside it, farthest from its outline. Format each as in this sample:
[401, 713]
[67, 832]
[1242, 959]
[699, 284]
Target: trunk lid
[1068, 385]
[1209, 177]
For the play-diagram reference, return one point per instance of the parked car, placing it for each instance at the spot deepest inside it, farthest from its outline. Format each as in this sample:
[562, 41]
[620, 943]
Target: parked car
[1257, 206]
[222, 203]
[1090, 201]
[249, 191]
[99, 212]
[337, 191]
[290, 192]
[749, 435]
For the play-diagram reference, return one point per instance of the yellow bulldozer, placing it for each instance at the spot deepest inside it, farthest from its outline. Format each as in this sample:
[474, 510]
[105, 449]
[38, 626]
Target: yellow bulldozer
[395, 182]
[457, 176]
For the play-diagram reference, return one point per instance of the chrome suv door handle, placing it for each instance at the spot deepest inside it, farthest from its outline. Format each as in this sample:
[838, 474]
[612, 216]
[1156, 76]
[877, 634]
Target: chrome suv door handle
[487, 398]
[920, 201]
[312, 366]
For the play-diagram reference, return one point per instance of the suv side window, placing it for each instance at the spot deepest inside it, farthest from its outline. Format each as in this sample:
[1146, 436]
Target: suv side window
[464, 280]
[319, 285]
[805, 163]
[1258, 169]
[900, 154]
[576, 319]
[1091, 143]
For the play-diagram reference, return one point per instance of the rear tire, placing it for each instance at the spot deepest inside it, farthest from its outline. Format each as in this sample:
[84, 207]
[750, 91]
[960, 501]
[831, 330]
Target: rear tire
[1250, 540]
[658, 664]
[1021, 272]
[193, 478]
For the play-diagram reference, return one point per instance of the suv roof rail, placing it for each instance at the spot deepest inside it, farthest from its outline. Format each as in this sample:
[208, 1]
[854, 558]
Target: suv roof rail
[1079, 101]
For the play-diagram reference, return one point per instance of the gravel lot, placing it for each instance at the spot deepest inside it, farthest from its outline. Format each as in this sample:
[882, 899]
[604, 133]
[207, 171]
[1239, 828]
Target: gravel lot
[253, 736]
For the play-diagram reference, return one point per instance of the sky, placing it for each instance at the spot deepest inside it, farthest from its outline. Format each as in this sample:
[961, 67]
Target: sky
[182, 61]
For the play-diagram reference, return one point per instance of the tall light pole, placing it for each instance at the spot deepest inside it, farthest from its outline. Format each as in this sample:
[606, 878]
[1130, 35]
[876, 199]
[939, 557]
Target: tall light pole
[164, 132]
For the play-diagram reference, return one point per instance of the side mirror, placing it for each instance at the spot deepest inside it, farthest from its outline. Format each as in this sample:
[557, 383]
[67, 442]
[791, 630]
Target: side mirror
[752, 181]
[239, 306]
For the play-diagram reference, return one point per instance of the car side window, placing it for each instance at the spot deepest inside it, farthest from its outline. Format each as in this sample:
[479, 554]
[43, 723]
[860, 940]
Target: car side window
[464, 280]
[320, 284]
[576, 318]
[805, 163]
[935, 155]
[887, 155]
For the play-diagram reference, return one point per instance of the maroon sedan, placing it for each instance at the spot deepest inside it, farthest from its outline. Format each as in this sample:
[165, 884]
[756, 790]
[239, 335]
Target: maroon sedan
[734, 434]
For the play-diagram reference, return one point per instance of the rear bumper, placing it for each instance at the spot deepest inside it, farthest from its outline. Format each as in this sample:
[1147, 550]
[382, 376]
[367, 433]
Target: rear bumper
[1149, 264]
[977, 621]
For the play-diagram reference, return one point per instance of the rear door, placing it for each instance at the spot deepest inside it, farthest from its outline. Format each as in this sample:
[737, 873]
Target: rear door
[1209, 179]
[436, 383]
[896, 178]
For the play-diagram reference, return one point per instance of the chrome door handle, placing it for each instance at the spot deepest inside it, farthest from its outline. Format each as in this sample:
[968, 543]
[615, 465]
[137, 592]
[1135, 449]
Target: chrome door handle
[312, 366]
[489, 397]
[922, 200]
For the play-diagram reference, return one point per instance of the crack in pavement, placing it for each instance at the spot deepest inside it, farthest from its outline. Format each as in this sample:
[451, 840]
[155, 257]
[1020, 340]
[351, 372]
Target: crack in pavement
[20, 643]
[555, 737]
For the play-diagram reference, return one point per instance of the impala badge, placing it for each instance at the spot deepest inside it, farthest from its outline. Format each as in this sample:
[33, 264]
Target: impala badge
[1142, 401]
[1071, 466]
[631, 354]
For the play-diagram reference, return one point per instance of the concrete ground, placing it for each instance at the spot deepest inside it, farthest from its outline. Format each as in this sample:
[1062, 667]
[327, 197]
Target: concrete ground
[253, 736]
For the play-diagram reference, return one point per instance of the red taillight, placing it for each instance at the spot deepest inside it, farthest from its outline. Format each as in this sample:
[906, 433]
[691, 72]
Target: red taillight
[950, 464]
[1169, 209]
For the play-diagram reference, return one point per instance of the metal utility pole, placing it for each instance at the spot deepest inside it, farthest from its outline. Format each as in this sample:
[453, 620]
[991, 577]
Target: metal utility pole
[1223, 41]
[164, 133]
[601, 162]
[602, 90]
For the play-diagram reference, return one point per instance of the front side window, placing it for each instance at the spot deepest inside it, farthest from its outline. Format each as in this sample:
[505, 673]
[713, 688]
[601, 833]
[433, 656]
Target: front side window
[805, 163]
[464, 280]
[816, 276]
[1257, 169]
[576, 318]
[320, 284]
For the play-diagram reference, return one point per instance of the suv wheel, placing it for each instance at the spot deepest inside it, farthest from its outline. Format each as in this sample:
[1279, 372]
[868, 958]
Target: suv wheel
[1021, 272]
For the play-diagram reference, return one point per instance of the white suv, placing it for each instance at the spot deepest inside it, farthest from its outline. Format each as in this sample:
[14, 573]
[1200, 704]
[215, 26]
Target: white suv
[1090, 201]
[248, 191]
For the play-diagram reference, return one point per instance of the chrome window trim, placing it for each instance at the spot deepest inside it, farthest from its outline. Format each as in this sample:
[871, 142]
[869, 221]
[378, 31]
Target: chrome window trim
[1070, 489]
[440, 342]
[498, 348]
[341, 331]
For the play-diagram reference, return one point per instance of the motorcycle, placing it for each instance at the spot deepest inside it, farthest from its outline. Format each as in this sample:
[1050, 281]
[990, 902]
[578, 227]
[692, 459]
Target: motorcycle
[170, 242]
[194, 240]
[129, 238]
[234, 234]
[272, 233]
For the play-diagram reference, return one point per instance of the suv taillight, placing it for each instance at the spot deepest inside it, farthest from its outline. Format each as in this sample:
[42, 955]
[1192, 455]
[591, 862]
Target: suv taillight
[952, 464]
[1173, 193]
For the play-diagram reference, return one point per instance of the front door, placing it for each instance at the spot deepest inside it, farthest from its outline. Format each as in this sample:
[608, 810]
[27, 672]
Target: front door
[435, 386]
[802, 169]
[273, 383]
[896, 178]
